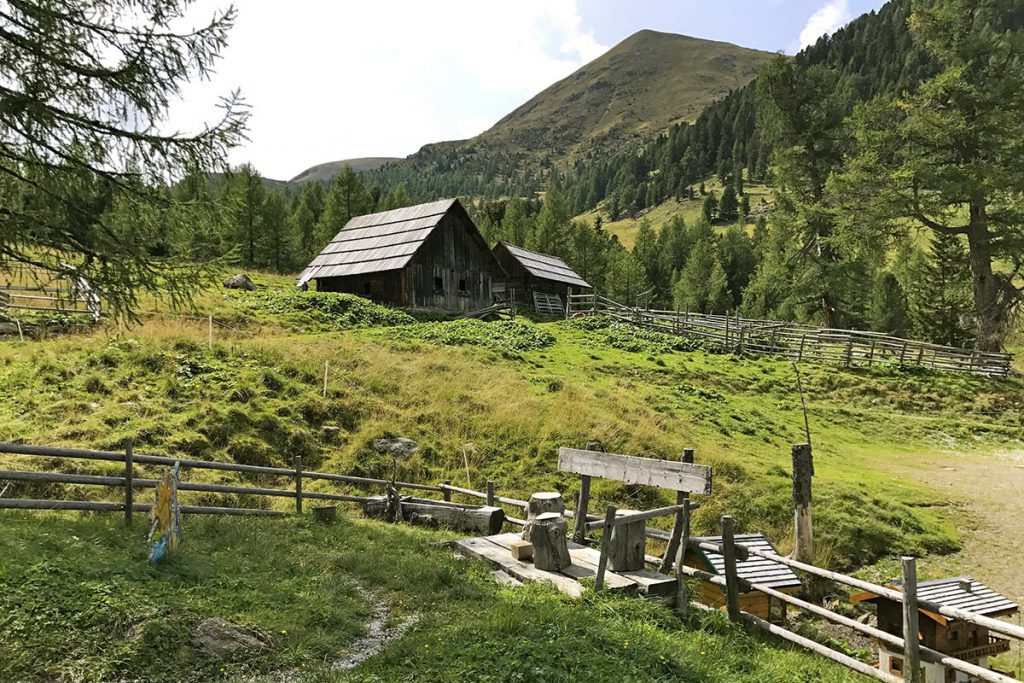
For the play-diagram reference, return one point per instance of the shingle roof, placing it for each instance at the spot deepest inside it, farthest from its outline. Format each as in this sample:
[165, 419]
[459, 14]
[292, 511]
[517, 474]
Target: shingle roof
[377, 242]
[545, 266]
[754, 569]
[965, 593]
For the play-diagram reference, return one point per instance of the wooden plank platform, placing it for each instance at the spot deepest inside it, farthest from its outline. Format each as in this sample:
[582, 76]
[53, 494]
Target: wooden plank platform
[496, 550]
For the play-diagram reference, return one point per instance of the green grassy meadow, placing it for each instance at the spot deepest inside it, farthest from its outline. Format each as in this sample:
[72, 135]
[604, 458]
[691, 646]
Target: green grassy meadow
[485, 401]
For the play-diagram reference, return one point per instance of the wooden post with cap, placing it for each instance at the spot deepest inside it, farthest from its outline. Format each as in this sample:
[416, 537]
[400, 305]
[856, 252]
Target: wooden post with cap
[803, 529]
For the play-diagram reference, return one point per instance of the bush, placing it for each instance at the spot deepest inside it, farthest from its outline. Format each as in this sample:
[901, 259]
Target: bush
[507, 337]
[321, 310]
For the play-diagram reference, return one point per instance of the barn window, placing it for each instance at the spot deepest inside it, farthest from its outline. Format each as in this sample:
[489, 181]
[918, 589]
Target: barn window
[438, 284]
[462, 286]
[367, 288]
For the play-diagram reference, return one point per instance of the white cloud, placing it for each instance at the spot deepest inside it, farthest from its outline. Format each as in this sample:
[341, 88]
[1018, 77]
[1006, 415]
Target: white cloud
[332, 80]
[826, 19]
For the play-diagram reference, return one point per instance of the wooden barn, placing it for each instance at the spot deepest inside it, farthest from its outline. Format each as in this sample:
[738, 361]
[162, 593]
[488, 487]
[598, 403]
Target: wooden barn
[754, 569]
[428, 256]
[537, 279]
[960, 639]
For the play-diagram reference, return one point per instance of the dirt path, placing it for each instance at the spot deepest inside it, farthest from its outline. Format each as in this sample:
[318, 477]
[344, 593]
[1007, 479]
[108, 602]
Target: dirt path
[987, 491]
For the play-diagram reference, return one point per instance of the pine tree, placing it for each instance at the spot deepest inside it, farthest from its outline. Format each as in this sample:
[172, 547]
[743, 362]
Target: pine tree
[552, 227]
[348, 197]
[736, 254]
[728, 207]
[888, 307]
[515, 225]
[702, 286]
[626, 279]
[245, 192]
[709, 209]
[941, 301]
[277, 234]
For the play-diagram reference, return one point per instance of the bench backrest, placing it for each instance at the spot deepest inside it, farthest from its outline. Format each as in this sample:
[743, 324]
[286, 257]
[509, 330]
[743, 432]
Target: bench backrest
[666, 474]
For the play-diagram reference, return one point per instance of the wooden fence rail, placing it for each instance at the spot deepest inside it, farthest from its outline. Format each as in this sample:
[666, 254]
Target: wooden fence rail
[801, 343]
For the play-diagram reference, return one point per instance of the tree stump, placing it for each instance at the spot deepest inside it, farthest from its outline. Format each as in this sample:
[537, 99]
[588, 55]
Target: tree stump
[627, 545]
[546, 501]
[547, 533]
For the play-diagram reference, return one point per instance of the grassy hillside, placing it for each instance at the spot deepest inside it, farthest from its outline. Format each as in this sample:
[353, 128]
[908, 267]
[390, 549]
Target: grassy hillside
[690, 209]
[485, 401]
[641, 86]
[328, 170]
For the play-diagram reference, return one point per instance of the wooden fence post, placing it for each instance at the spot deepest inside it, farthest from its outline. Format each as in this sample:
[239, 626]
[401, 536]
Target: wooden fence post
[682, 599]
[911, 644]
[606, 537]
[803, 529]
[490, 494]
[327, 366]
[677, 526]
[568, 302]
[446, 493]
[583, 503]
[298, 484]
[129, 479]
[732, 582]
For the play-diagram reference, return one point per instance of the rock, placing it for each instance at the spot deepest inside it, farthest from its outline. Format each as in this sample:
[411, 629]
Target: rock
[397, 446]
[240, 281]
[221, 638]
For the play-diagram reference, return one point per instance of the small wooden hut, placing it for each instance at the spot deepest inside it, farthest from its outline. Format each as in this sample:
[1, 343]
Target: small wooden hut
[533, 277]
[961, 639]
[429, 256]
[754, 569]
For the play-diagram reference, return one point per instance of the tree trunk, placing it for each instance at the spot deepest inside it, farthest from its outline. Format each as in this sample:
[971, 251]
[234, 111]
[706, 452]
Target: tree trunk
[988, 312]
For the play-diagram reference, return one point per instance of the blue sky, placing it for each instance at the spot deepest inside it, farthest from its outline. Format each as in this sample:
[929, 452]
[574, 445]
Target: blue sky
[329, 79]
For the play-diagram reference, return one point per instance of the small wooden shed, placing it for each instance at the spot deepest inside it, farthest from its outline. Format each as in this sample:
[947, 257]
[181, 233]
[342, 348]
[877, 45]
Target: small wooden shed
[429, 256]
[530, 273]
[961, 639]
[754, 569]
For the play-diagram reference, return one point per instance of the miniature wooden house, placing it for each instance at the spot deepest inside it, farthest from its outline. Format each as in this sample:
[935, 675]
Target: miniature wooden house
[429, 256]
[754, 569]
[963, 640]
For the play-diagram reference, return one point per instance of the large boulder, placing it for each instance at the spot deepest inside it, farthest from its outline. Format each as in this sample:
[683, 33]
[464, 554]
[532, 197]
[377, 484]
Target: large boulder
[397, 446]
[221, 638]
[240, 281]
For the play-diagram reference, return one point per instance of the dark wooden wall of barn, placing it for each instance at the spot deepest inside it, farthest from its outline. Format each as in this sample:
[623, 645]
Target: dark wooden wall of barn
[384, 288]
[524, 283]
[453, 270]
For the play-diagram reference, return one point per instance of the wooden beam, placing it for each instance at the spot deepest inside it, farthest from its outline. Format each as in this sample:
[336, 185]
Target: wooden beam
[602, 563]
[677, 525]
[129, 488]
[732, 583]
[803, 530]
[666, 474]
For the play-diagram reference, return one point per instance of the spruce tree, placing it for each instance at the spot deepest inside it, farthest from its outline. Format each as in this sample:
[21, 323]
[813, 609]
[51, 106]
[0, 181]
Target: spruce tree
[728, 206]
[887, 310]
[709, 208]
[941, 302]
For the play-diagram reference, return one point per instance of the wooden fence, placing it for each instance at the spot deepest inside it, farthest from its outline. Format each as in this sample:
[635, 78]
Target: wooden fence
[913, 652]
[800, 343]
[27, 288]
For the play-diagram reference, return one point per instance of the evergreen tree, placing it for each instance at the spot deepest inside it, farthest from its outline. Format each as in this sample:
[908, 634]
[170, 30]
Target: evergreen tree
[649, 253]
[948, 156]
[736, 254]
[551, 234]
[515, 226]
[85, 168]
[348, 197]
[709, 208]
[626, 279]
[245, 193]
[306, 215]
[702, 286]
[888, 309]
[941, 298]
[277, 234]
[728, 206]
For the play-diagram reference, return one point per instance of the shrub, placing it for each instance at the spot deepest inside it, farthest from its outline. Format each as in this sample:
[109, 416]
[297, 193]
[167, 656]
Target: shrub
[507, 337]
[321, 310]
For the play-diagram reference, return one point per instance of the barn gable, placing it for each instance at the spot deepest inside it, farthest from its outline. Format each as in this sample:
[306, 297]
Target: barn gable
[543, 266]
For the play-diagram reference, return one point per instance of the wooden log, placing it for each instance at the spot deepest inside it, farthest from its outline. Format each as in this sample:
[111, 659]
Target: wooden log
[445, 492]
[626, 543]
[677, 525]
[485, 520]
[298, 484]
[490, 493]
[803, 530]
[583, 502]
[544, 502]
[683, 541]
[732, 583]
[911, 628]
[548, 534]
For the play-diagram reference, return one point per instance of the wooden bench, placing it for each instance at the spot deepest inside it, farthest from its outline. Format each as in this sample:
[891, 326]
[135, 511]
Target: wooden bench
[683, 477]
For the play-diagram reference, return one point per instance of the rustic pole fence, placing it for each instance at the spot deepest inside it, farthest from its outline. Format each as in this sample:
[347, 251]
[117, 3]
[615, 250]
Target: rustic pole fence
[129, 487]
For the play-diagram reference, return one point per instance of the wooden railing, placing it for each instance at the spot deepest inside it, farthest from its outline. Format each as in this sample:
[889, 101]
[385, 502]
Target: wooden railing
[914, 652]
[800, 343]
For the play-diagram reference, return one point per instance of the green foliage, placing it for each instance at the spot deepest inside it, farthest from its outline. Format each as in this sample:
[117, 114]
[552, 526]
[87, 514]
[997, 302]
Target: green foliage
[320, 310]
[626, 337]
[888, 312]
[506, 337]
[941, 302]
